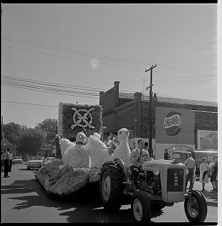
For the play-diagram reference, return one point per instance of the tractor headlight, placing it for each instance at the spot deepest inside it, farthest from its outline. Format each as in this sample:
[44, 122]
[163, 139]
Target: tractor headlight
[156, 172]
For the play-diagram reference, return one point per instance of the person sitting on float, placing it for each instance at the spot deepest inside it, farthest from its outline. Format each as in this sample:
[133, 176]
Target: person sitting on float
[137, 157]
[114, 143]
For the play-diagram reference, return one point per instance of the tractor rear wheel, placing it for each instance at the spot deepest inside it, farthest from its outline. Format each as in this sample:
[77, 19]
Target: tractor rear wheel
[111, 186]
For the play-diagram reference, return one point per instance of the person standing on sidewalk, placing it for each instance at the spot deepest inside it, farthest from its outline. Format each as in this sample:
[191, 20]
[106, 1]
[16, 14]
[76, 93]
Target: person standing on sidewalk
[10, 162]
[214, 174]
[191, 166]
[6, 158]
[204, 169]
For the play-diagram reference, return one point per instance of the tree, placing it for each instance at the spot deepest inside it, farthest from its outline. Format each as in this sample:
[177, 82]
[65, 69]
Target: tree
[12, 132]
[30, 142]
[49, 127]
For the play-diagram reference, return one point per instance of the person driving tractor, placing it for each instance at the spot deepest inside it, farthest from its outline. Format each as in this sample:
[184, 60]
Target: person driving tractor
[137, 157]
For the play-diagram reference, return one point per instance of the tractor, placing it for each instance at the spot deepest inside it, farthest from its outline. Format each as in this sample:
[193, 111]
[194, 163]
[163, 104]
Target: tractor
[160, 183]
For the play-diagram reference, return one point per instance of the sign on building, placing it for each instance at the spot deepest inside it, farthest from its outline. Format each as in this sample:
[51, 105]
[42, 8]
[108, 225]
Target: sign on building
[173, 126]
[207, 139]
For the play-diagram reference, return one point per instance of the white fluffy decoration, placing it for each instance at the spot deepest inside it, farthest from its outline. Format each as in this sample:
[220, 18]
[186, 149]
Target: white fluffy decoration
[74, 155]
[123, 151]
[97, 135]
[64, 144]
[98, 151]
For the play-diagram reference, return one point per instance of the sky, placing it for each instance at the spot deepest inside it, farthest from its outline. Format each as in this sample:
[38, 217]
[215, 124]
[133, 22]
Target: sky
[86, 47]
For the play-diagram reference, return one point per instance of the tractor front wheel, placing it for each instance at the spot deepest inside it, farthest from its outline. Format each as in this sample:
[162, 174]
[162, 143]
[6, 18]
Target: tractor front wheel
[140, 206]
[195, 206]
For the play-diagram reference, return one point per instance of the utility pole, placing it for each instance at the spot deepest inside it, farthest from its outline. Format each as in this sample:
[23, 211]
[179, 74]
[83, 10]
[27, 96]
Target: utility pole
[143, 80]
[150, 108]
[2, 128]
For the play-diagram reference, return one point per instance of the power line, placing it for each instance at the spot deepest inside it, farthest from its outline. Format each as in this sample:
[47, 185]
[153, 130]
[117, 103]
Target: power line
[82, 60]
[110, 59]
[66, 57]
[32, 84]
[75, 94]
[181, 77]
[23, 85]
[25, 103]
[144, 27]
[42, 87]
[5, 77]
[47, 91]
[72, 51]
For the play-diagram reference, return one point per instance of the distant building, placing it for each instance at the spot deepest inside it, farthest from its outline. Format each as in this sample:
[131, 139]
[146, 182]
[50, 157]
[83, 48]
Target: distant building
[132, 111]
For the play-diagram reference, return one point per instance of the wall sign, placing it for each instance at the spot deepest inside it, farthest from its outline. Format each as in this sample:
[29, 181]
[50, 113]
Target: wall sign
[174, 126]
[173, 123]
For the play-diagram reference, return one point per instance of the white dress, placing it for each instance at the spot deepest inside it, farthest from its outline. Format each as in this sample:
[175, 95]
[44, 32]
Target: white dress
[204, 167]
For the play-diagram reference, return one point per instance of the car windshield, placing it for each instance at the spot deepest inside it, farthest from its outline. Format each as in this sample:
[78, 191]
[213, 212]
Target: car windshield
[180, 148]
[176, 155]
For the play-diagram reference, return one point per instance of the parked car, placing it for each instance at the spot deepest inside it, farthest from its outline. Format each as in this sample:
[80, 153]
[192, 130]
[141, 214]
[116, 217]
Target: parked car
[180, 152]
[179, 156]
[48, 160]
[34, 164]
[17, 160]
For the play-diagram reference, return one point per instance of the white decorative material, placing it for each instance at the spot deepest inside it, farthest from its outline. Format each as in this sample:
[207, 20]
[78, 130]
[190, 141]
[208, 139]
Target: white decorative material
[62, 180]
[74, 154]
[98, 151]
[97, 135]
[72, 173]
[64, 145]
[79, 118]
[123, 151]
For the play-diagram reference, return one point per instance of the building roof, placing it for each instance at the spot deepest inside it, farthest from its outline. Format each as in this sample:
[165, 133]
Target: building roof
[172, 100]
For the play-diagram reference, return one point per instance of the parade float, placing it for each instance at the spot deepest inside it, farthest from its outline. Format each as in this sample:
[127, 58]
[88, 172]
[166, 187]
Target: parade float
[82, 151]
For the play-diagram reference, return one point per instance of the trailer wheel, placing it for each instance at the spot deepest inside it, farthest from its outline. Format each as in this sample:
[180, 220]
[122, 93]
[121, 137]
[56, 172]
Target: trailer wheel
[195, 206]
[111, 186]
[140, 206]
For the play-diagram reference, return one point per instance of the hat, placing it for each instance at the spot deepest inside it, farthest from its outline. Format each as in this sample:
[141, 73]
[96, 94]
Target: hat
[81, 137]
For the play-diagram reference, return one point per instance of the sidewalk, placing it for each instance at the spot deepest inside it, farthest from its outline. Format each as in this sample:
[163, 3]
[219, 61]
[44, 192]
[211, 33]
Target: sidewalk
[211, 197]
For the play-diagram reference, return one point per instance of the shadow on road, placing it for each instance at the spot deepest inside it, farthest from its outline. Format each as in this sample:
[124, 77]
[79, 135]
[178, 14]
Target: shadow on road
[19, 186]
[85, 202]
[97, 215]
[211, 197]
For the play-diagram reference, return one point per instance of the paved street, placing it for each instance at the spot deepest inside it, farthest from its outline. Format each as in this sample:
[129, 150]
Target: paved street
[23, 200]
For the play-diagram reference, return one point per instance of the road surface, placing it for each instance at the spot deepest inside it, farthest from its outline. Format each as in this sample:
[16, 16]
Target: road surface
[23, 200]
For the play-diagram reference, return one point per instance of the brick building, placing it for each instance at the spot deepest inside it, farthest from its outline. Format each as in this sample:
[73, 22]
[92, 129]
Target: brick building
[132, 111]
